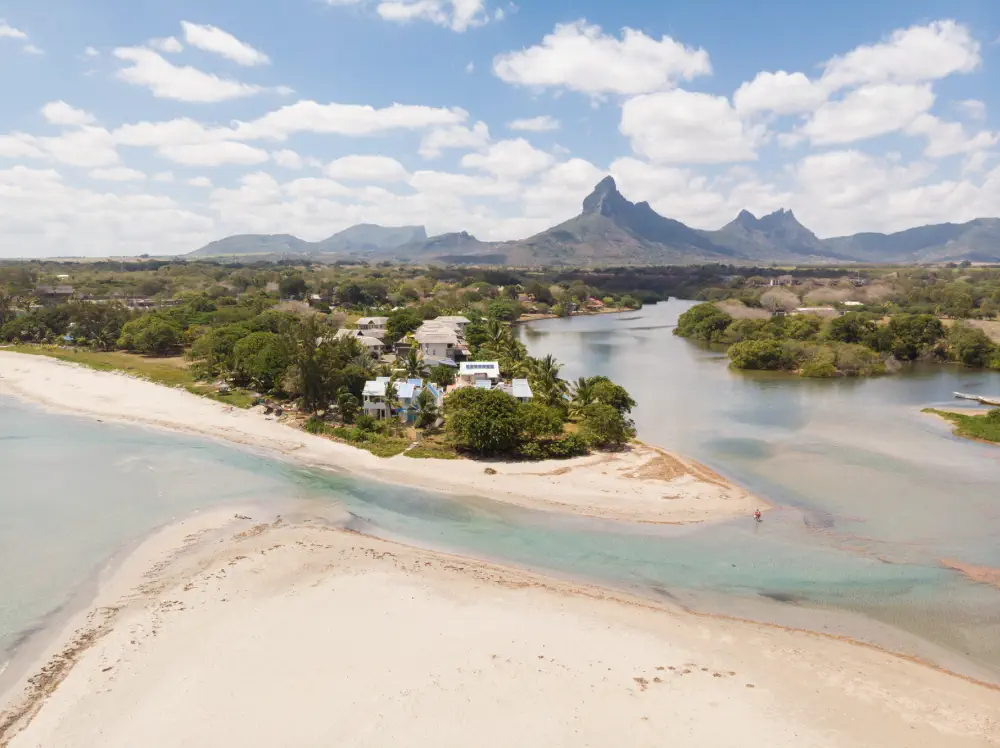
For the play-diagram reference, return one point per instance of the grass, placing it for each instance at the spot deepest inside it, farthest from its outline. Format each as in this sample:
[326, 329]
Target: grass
[985, 427]
[380, 445]
[172, 372]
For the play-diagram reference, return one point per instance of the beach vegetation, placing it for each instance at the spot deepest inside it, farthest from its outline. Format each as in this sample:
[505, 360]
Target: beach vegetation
[985, 426]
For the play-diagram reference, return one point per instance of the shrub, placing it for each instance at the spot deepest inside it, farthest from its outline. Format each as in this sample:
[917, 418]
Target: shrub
[970, 346]
[703, 322]
[152, 335]
[539, 421]
[858, 361]
[759, 354]
[603, 426]
[483, 421]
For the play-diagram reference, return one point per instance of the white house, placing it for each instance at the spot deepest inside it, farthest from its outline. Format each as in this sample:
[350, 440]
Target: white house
[374, 345]
[456, 321]
[479, 371]
[373, 397]
[373, 326]
[521, 390]
[436, 341]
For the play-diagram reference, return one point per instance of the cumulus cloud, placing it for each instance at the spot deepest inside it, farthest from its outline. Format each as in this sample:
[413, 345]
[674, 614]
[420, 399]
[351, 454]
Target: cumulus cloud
[544, 123]
[580, 57]
[367, 169]
[200, 182]
[287, 159]
[949, 138]
[183, 83]
[509, 159]
[456, 137]
[686, 127]
[214, 154]
[169, 44]
[458, 15]
[9, 32]
[913, 55]
[61, 113]
[972, 108]
[868, 112]
[215, 40]
[780, 92]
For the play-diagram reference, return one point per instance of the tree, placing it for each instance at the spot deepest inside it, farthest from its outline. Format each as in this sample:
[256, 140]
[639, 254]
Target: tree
[151, 334]
[548, 387]
[853, 327]
[970, 345]
[442, 375]
[582, 391]
[414, 366]
[310, 372]
[400, 323]
[779, 300]
[609, 393]
[292, 287]
[427, 410]
[540, 421]
[486, 422]
[703, 322]
[758, 354]
[506, 310]
[348, 406]
[603, 426]
[630, 302]
[261, 358]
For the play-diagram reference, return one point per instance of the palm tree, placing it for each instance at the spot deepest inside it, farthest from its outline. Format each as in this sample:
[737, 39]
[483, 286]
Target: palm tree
[414, 366]
[582, 395]
[545, 381]
[426, 407]
[497, 334]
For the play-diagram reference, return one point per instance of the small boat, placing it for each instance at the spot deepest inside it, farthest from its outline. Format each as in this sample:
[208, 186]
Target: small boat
[979, 399]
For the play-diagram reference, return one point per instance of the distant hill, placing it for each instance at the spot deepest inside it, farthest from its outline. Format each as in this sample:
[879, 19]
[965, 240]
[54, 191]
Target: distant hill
[976, 241]
[611, 230]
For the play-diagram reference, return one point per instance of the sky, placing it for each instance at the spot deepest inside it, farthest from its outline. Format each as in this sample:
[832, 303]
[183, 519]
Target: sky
[138, 126]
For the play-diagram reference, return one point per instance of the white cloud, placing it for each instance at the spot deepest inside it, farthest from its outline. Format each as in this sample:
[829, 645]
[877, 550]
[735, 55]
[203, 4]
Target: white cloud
[544, 123]
[509, 159]
[40, 215]
[61, 113]
[559, 191]
[86, 147]
[470, 68]
[31, 49]
[456, 137]
[214, 154]
[170, 132]
[868, 112]
[686, 127]
[163, 176]
[949, 138]
[913, 55]
[458, 15]
[169, 44]
[972, 108]
[9, 32]
[463, 185]
[287, 159]
[200, 182]
[168, 81]
[780, 92]
[117, 174]
[345, 119]
[579, 57]
[91, 52]
[215, 40]
[367, 169]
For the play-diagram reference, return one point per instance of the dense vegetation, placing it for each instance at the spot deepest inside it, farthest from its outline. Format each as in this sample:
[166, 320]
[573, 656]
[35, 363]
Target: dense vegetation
[853, 344]
[251, 334]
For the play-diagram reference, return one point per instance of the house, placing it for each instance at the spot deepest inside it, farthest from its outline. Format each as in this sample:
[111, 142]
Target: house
[437, 341]
[458, 322]
[373, 326]
[373, 345]
[406, 393]
[472, 372]
[819, 311]
[521, 390]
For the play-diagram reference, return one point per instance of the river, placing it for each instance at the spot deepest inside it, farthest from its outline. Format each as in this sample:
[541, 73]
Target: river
[869, 496]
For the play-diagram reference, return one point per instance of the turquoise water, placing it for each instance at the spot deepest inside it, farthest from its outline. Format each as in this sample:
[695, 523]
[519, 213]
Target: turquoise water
[870, 496]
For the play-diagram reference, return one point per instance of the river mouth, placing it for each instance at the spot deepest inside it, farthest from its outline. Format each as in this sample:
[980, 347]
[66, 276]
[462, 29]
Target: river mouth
[869, 497]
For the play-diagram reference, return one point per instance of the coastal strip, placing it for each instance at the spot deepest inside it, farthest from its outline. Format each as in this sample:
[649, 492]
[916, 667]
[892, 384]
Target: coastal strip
[231, 631]
[640, 484]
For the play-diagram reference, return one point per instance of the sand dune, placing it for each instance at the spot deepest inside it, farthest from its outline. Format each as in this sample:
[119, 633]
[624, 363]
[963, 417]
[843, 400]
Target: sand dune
[223, 632]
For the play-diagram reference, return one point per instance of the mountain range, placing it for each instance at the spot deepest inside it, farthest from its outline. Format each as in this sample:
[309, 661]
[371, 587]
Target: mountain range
[611, 230]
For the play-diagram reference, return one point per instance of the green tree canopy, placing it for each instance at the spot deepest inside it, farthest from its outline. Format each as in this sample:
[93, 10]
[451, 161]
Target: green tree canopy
[151, 334]
[487, 422]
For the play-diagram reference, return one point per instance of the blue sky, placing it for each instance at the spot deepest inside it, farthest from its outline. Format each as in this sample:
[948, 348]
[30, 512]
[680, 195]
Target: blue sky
[156, 127]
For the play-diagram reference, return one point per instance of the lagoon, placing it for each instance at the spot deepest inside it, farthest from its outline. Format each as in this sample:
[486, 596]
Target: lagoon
[870, 496]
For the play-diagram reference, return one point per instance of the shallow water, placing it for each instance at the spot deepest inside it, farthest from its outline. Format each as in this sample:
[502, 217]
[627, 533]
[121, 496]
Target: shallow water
[870, 494]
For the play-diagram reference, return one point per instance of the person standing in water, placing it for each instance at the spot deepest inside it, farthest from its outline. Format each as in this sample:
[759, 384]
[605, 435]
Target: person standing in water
[756, 515]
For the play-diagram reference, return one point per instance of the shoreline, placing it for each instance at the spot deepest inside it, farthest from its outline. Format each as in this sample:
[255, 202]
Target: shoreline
[643, 484]
[173, 632]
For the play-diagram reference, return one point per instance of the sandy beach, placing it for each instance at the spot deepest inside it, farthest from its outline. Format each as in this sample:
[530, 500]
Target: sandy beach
[249, 633]
[643, 484]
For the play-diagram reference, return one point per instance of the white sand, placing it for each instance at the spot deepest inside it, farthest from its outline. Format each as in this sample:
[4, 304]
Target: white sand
[599, 485]
[305, 637]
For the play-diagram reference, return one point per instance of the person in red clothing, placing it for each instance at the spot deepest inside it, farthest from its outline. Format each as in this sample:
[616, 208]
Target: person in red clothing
[756, 514]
